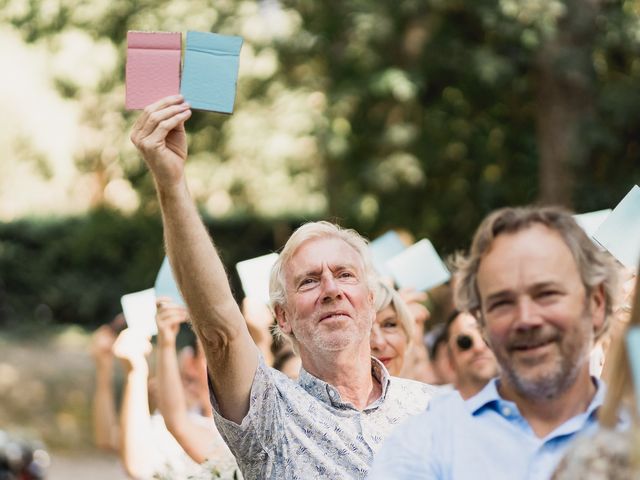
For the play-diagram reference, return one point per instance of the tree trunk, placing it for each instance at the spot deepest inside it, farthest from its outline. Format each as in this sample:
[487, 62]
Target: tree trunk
[565, 77]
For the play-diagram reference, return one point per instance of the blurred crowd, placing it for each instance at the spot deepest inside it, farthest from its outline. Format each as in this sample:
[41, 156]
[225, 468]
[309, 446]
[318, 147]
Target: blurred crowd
[341, 375]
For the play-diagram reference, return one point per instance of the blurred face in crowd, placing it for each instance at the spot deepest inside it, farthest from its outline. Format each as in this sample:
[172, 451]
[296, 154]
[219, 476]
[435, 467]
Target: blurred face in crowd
[471, 358]
[442, 365]
[539, 319]
[329, 306]
[193, 370]
[388, 340]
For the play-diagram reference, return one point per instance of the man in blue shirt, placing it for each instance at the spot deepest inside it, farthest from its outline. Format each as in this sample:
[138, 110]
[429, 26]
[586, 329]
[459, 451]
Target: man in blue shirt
[543, 293]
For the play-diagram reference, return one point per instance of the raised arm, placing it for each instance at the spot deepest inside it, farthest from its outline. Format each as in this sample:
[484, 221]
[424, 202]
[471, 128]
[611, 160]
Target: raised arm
[194, 438]
[105, 419]
[137, 452]
[232, 357]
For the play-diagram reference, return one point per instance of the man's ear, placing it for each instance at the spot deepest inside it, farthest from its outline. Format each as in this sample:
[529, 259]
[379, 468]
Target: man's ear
[598, 307]
[282, 319]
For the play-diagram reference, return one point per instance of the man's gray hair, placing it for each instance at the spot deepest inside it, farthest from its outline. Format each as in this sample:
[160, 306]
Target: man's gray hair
[313, 231]
[596, 267]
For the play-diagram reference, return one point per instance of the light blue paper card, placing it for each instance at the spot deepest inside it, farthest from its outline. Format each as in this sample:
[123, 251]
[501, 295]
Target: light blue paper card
[384, 248]
[210, 71]
[139, 310]
[620, 232]
[419, 267]
[254, 275]
[591, 221]
[166, 285]
[633, 352]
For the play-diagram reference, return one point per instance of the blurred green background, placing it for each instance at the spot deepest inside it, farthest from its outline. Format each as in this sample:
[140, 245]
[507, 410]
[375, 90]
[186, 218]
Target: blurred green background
[419, 115]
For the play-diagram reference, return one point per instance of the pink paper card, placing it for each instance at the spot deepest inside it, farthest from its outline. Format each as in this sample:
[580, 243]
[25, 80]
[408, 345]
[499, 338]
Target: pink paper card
[153, 67]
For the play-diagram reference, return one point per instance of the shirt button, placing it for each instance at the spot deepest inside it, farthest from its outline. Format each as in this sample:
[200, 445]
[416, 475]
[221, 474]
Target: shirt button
[506, 411]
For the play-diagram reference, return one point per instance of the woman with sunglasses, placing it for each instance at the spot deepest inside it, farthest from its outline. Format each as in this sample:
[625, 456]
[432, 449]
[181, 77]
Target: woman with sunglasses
[392, 330]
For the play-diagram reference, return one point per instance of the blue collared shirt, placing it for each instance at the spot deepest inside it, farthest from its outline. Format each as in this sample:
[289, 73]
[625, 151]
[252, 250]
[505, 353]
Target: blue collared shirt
[484, 437]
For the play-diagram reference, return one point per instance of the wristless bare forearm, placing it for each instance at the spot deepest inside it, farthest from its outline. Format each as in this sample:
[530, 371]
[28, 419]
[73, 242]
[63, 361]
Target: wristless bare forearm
[232, 357]
[171, 398]
[195, 262]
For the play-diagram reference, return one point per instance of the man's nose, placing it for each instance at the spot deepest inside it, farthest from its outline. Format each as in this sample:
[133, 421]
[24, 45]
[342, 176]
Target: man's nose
[527, 315]
[479, 344]
[330, 288]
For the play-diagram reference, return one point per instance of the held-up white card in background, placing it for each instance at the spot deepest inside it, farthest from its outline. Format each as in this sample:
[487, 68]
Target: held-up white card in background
[591, 221]
[166, 285]
[419, 267]
[254, 276]
[384, 248]
[620, 232]
[139, 310]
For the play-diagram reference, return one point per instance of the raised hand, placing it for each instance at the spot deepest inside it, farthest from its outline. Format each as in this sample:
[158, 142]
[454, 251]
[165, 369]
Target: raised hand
[132, 348]
[169, 316]
[102, 342]
[160, 137]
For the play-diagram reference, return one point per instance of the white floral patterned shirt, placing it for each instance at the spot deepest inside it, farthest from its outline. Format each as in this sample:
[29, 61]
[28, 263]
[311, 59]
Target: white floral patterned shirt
[303, 430]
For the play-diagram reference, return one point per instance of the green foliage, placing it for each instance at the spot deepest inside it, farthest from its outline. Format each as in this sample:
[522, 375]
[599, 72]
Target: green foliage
[431, 116]
[422, 115]
[74, 270]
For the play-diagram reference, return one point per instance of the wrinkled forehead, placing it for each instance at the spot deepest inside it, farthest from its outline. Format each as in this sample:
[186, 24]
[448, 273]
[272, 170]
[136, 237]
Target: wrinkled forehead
[536, 253]
[317, 253]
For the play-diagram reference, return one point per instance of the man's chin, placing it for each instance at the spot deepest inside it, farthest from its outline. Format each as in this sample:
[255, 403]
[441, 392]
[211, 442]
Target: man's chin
[333, 342]
[541, 385]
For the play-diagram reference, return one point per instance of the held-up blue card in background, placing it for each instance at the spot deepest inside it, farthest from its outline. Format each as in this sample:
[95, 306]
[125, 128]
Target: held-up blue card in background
[383, 249]
[254, 275]
[210, 71]
[419, 267]
[633, 352]
[139, 310]
[166, 285]
[620, 232]
[591, 221]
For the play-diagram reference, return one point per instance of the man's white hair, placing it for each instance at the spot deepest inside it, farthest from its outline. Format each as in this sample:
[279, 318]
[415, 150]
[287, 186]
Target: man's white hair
[314, 231]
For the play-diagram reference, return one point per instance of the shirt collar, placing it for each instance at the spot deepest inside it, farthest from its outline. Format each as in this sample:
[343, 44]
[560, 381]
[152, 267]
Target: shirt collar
[489, 395]
[329, 394]
[490, 398]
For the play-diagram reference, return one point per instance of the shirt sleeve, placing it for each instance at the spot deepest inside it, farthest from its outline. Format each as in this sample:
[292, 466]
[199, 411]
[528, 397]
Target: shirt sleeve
[258, 433]
[407, 454]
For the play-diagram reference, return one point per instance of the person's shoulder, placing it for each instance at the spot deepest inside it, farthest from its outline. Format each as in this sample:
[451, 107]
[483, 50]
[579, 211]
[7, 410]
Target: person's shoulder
[408, 452]
[406, 385]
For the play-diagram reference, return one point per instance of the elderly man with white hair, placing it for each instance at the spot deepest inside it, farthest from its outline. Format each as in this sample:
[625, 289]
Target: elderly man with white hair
[332, 421]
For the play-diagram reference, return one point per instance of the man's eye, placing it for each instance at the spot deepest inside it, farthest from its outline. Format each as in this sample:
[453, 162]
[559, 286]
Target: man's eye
[548, 294]
[389, 324]
[346, 275]
[307, 282]
[499, 304]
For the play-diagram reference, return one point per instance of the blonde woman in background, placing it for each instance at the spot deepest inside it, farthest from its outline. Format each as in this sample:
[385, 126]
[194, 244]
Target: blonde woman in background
[392, 330]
